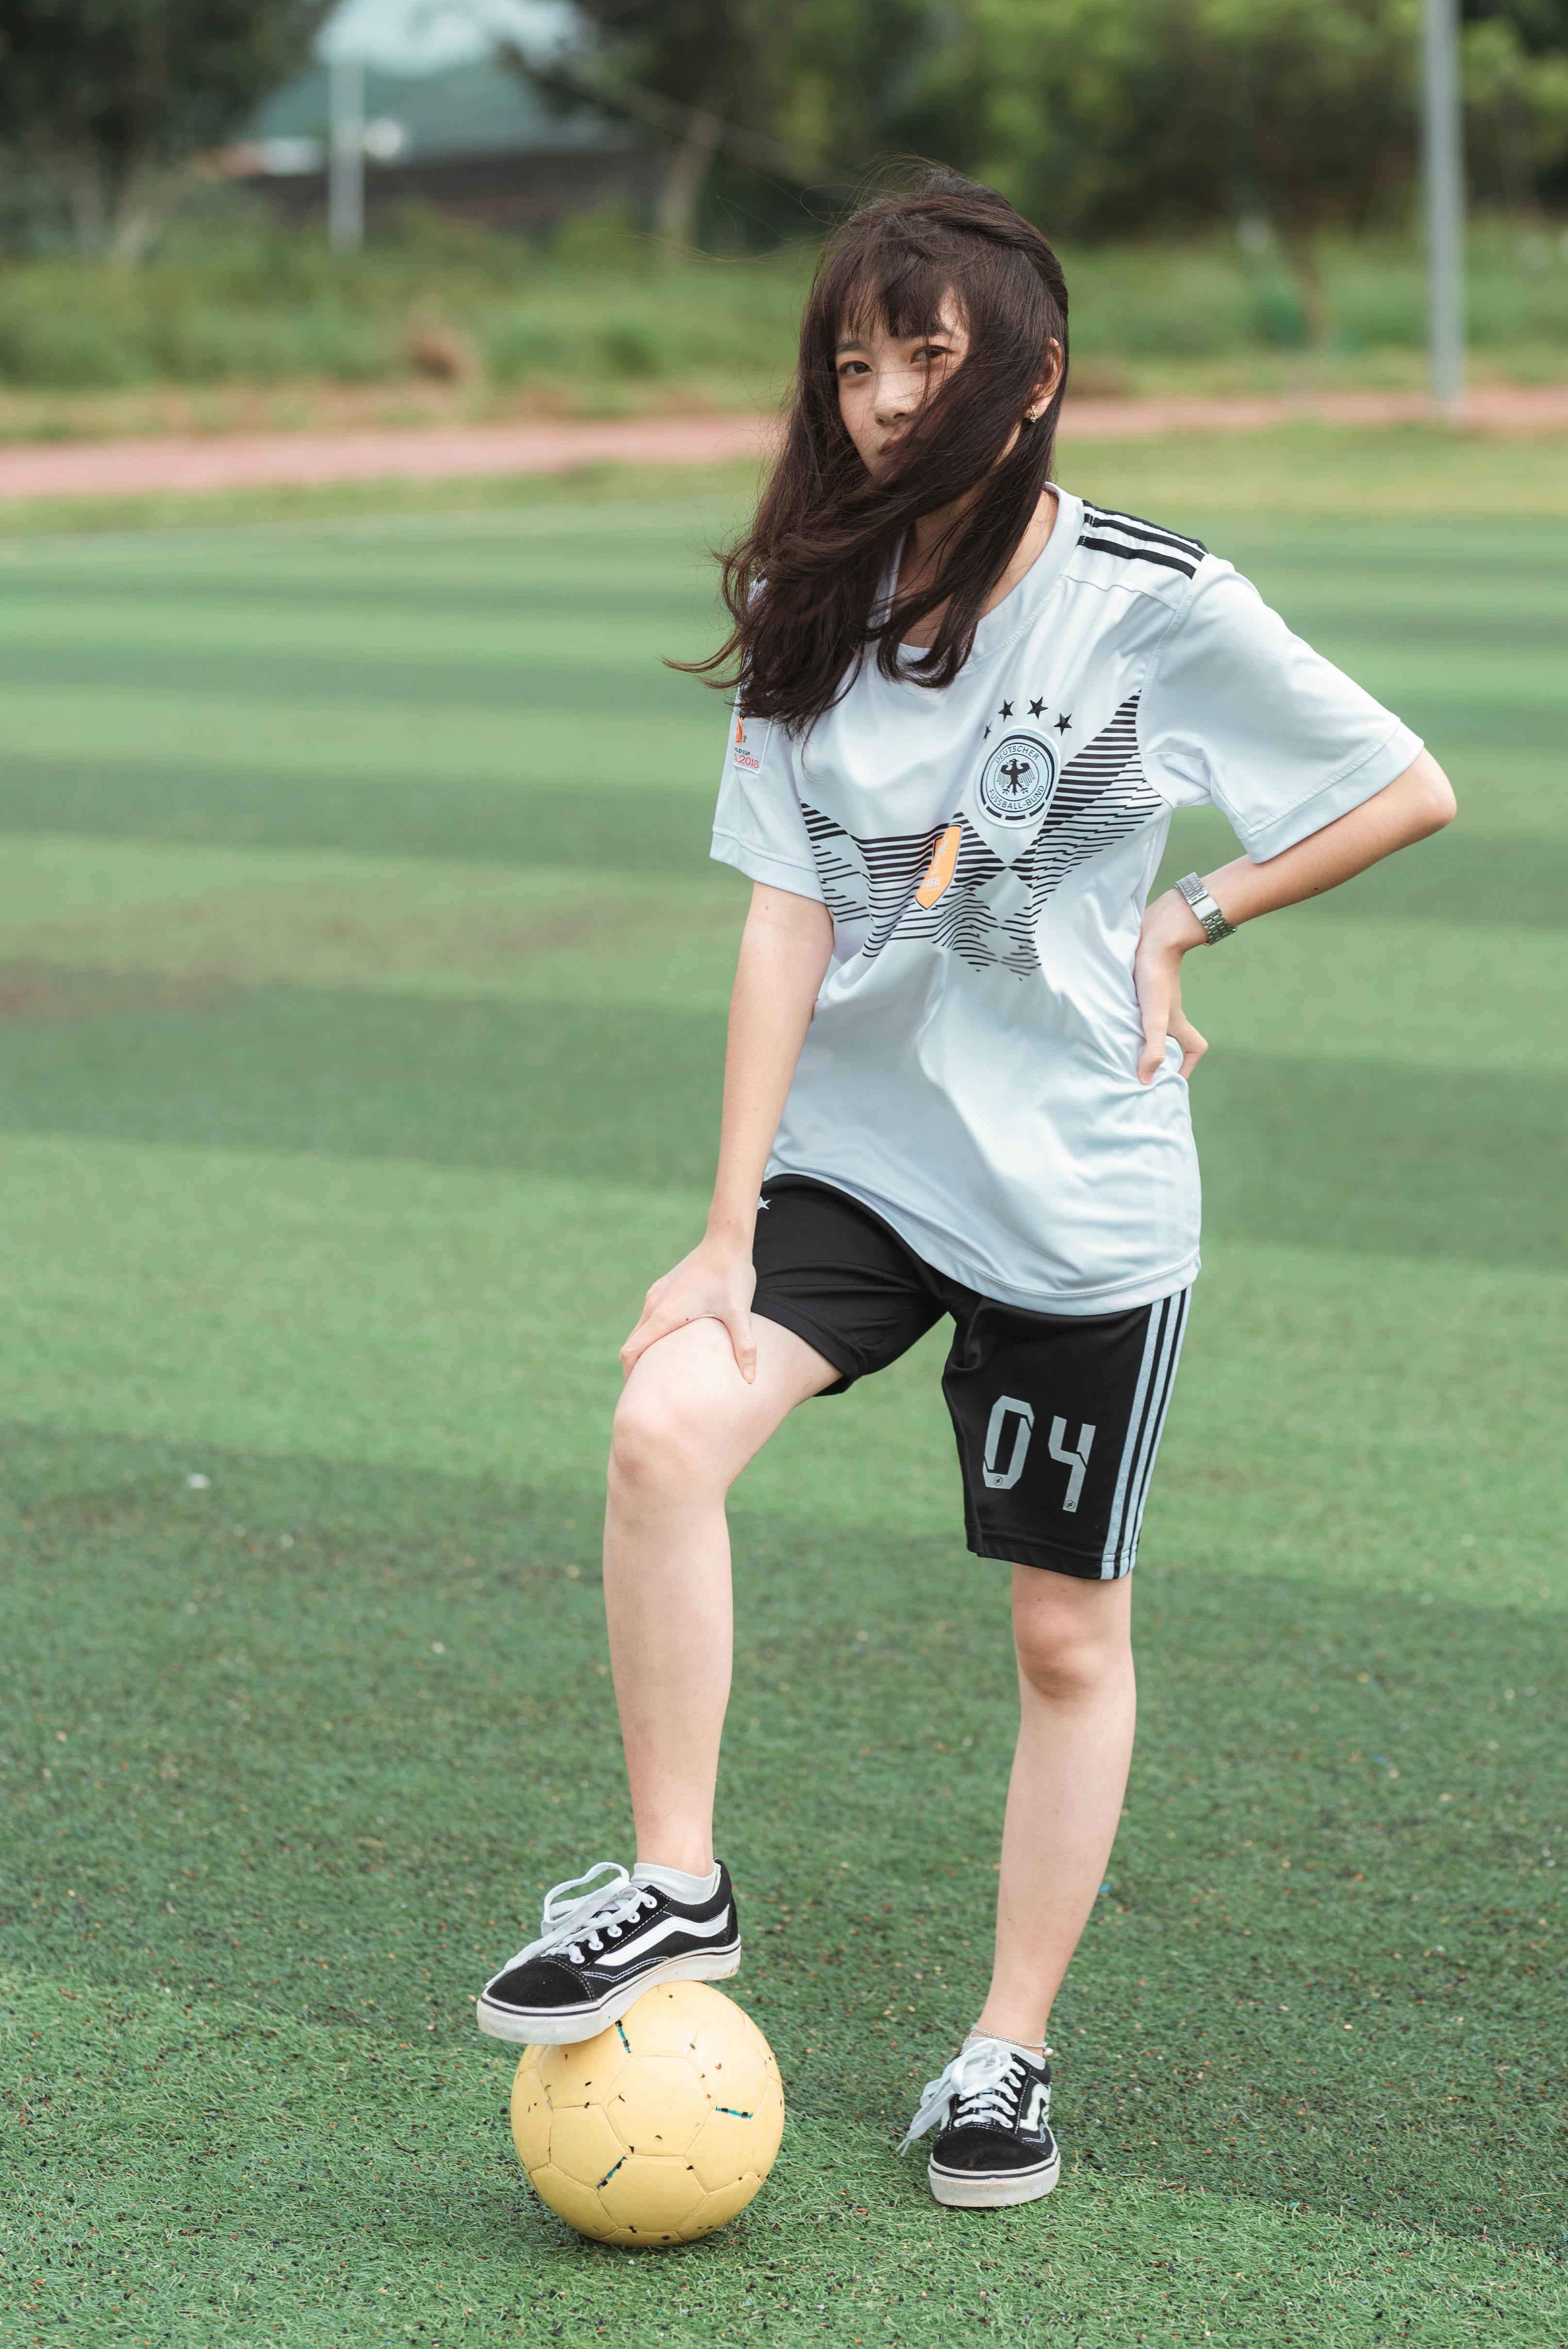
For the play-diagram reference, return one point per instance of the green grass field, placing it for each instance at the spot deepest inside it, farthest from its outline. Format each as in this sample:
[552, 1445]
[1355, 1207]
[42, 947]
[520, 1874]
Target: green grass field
[362, 987]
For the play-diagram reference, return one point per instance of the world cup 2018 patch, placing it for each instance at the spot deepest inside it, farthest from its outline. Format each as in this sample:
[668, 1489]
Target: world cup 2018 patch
[750, 742]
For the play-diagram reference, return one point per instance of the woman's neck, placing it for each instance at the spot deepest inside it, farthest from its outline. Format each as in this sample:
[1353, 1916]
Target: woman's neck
[922, 551]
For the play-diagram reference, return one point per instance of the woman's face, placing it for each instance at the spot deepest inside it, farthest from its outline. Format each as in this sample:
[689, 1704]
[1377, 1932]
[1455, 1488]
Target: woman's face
[884, 379]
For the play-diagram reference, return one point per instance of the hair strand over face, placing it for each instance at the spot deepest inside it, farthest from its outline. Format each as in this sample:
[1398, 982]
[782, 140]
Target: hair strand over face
[803, 586]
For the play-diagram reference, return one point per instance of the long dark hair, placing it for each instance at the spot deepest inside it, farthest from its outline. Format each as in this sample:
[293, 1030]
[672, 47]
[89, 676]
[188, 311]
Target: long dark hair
[802, 584]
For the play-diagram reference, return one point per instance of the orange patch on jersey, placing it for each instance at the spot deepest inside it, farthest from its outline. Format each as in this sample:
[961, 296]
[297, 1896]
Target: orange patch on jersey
[943, 866]
[739, 731]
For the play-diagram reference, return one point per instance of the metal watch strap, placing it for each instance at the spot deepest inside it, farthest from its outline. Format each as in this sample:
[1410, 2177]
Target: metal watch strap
[1216, 926]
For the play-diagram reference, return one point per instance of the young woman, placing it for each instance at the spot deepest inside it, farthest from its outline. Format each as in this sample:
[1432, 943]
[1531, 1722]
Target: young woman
[956, 1080]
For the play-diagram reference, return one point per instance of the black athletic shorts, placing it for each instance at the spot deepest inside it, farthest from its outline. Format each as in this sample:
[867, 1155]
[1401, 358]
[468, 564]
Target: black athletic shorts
[1058, 1416]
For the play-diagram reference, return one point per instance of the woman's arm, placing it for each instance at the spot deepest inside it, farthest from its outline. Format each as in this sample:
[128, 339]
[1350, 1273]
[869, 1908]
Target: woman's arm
[784, 954]
[1417, 802]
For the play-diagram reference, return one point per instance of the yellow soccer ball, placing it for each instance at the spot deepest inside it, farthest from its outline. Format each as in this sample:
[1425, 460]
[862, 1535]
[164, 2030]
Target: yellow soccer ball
[657, 2130]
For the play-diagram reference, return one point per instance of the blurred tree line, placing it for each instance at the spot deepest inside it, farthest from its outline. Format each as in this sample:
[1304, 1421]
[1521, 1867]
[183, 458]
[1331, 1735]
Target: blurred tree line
[105, 104]
[1100, 118]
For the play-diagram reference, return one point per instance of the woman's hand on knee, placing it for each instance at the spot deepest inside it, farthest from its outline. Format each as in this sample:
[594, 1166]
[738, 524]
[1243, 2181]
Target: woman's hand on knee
[714, 1283]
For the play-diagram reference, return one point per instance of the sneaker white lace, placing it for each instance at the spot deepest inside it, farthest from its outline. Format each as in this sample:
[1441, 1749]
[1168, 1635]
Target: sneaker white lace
[979, 2077]
[574, 1922]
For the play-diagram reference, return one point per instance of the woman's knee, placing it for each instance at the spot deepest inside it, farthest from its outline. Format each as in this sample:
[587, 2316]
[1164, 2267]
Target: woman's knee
[663, 1445]
[1071, 1643]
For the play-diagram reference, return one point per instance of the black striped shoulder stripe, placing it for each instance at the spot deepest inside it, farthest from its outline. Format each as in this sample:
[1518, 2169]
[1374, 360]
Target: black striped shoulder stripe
[1134, 527]
[1139, 542]
[1139, 554]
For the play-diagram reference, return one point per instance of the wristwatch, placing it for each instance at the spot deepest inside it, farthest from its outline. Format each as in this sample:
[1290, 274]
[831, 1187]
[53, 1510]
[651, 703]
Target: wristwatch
[1216, 926]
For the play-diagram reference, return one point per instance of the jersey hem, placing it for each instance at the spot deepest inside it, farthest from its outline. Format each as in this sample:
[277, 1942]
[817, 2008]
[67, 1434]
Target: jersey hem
[1115, 1297]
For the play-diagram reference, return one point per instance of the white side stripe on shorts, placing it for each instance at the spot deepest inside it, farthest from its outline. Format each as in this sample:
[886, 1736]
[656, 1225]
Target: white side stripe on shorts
[1155, 1378]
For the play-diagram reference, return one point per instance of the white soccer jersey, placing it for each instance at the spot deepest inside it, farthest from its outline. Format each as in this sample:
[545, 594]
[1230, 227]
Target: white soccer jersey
[970, 1071]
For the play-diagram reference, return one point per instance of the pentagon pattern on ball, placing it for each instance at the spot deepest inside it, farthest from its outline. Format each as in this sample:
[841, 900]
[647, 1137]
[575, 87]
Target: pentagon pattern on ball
[657, 2130]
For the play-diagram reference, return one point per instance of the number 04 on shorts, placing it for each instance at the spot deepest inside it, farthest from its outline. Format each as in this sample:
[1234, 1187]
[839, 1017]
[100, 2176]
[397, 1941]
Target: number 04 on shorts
[1058, 1416]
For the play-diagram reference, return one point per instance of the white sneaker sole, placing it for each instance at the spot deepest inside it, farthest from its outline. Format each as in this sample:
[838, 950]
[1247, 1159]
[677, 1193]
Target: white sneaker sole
[967, 2189]
[561, 2027]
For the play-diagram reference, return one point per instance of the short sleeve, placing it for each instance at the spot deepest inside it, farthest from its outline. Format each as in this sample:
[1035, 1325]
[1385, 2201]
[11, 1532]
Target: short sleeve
[1238, 711]
[759, 826]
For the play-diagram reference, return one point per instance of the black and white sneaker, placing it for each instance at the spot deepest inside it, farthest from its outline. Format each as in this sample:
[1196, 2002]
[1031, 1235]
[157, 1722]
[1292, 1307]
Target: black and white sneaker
[599, 1949]
[994, 2145]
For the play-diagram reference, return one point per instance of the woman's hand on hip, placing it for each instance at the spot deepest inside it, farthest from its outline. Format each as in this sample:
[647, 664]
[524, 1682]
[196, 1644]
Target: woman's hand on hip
[1170, 929]
[714, 1283]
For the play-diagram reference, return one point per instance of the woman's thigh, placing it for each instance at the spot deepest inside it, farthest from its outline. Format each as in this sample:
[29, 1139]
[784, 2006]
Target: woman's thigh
[686, 1410]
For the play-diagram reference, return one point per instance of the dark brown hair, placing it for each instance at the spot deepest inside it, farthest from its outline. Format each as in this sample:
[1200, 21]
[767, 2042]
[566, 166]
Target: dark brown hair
[802, 584]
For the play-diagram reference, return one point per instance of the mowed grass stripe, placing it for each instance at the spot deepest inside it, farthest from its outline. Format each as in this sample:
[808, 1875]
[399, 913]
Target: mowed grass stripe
[1375, 1420]
[149, 685]
[1515, 696]
[398, 813]
[522, 679]
[277, 605]
[1515, 872]
[1517, 707]
[1361, 1153]
[422, 744]
[602, 621]
[576, 526]
[86, 919]
[199, 916]
[415, 651]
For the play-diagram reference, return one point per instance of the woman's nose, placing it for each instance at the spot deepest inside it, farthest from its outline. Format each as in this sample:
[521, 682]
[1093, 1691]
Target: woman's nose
[898, 397]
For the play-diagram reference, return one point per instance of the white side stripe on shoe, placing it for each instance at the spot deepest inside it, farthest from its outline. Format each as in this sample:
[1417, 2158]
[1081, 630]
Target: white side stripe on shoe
[642, 1943]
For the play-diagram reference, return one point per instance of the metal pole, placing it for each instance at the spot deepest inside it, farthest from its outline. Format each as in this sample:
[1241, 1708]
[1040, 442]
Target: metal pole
[1445, 192]
[346, 161]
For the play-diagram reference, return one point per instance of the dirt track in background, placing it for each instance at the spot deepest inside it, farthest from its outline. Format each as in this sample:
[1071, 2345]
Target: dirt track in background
[189, 465]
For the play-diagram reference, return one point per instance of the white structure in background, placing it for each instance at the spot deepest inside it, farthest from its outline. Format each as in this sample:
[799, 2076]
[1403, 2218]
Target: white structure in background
[1443, 151]
[352, 140]
[399, 34]
[289, 159]
[346, 164]
[422, 36]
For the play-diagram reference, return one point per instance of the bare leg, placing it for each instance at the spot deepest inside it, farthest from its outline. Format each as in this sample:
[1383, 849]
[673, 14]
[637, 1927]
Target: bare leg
[1078, 1703]
[686, 1427]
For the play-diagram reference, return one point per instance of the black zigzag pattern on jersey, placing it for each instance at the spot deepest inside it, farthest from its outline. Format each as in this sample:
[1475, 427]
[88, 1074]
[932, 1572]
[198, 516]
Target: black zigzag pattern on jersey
[874, 881]
[1136, 541]
[1101, 798]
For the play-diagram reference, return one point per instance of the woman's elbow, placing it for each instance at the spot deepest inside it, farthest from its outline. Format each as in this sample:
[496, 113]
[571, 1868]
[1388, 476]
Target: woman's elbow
[1431, 799]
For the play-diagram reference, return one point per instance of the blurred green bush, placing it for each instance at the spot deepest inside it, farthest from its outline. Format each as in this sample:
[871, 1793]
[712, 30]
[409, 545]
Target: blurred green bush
[602, 309]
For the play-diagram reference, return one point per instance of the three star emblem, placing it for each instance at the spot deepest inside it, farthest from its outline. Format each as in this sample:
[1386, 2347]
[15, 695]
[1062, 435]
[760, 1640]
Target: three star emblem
[1036, 708]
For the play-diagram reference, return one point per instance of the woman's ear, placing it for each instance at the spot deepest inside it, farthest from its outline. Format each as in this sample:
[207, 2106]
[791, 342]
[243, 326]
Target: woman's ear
[1045, 391]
